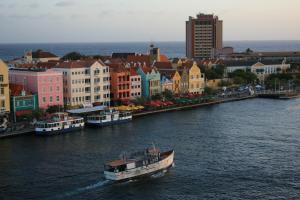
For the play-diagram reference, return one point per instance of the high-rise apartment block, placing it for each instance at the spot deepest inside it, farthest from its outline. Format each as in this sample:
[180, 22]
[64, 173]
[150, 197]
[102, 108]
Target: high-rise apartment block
[204, 35]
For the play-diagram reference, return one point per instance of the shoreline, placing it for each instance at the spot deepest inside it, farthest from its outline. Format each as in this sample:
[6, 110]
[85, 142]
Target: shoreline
[29, 131]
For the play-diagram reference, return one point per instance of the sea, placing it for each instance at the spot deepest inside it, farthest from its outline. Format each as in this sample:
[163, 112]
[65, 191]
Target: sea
[241, 150]
[171, 49]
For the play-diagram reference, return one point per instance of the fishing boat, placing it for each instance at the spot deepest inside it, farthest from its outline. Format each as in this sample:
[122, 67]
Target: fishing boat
[109, 116]
[140, 164]
[58, 124]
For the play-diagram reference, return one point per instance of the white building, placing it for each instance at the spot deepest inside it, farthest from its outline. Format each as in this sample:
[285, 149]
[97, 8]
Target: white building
[261, 70]
[85, 83]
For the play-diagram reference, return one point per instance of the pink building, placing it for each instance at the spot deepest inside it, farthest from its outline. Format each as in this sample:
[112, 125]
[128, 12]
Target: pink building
[48, 85]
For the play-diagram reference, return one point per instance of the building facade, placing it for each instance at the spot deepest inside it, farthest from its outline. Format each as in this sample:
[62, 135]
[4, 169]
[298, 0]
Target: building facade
[176, 82]
[120, 82]
[204, 36]
[86, 83]
[166, 84]
[136, 84]
[263, 71]
[184, 81]
[150, 81]
[4, 89]
[196, 80]
[22, 102]
[47, 84]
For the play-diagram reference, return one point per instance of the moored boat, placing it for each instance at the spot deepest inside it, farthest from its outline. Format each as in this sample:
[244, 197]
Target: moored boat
[140, 164]
[109, 117]
[58, 124]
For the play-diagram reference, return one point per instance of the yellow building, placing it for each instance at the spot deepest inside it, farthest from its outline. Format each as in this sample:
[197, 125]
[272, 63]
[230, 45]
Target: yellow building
[214, 83]
[196, 80]
[176, 82]
[4, 88]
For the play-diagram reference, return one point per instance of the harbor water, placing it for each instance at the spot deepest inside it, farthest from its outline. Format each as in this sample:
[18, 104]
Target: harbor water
[239, 150]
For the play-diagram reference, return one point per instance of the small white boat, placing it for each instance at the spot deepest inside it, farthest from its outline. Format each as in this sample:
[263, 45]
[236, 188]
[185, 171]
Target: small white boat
[60, 123]
[145, 163]
[109, 117]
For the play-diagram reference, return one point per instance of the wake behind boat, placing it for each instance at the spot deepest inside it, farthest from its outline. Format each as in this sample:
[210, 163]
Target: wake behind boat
[59, 123]
[144, 163]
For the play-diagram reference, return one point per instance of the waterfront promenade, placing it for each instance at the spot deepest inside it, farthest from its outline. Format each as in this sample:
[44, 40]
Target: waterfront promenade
[30, 129]
[17, 131]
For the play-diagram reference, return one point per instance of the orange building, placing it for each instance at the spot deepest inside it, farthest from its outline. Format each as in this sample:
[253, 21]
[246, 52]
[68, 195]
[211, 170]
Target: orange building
[120, 82]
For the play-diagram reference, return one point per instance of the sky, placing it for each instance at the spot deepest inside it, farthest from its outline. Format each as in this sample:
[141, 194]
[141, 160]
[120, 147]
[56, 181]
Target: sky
[143, 20]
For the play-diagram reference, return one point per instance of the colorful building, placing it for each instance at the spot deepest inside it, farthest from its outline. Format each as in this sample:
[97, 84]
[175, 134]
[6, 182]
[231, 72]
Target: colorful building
[184, 81]
[47, 84]
[176, 83]
[150, 81]
[40, 56]
[120, 82]
[4, 89]
[166, 84]
[86, 83]
[22, 102]
[136, 84]
[196, 80]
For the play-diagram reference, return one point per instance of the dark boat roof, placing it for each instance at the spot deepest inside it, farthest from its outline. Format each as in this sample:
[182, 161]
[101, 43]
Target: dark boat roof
[134, 157]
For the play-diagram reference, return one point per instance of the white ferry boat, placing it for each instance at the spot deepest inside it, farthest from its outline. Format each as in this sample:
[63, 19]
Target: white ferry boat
[140, 164]
[109, 117]
[60, 123]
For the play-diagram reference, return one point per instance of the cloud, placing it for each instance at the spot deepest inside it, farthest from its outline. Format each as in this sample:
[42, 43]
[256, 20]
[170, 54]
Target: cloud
[33, 17]
[33, 5]
[64, 3]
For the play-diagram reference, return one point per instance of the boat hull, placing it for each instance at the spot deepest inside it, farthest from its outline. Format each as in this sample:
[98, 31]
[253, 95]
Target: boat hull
[143, 171]
[109, 123]
[58, 132]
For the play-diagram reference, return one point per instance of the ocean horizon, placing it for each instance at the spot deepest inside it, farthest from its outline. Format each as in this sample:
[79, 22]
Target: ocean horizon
[10, 51]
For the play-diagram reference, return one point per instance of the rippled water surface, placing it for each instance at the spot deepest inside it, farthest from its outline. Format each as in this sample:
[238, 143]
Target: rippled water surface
[240, 150]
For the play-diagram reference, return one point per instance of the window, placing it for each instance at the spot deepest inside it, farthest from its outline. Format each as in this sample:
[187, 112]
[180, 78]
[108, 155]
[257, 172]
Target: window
[57, 88]
[44, 99]
[51, 99]
[51, 89]
[57, 99]
[2, 91]
[2, 103]
[1, 78]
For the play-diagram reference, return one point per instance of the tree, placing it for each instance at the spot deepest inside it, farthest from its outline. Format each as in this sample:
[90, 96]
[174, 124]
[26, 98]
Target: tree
[168, 95]
[156, 97]
[248, 51]
[209, 91]
[54, 109]
[73, 56]
[243, 77]
[37, 114]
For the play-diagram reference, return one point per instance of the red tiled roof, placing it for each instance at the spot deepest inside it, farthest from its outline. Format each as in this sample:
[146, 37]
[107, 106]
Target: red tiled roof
[139, 58]
[117, 67]
[133, 72]
[50, 64]
[16, 90]
[77, 64]
[146, 69]
[163, 65]
[163, 58]
[25, 65]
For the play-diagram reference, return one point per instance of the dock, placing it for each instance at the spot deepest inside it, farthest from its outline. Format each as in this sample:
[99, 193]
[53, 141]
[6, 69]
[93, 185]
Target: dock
[15, 133]
[282, 95]
[186, 107]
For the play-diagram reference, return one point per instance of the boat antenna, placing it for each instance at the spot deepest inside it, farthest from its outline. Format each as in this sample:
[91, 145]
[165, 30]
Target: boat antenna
[153, 145]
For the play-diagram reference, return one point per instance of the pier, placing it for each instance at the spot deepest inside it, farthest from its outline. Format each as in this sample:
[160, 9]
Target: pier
[283, 95]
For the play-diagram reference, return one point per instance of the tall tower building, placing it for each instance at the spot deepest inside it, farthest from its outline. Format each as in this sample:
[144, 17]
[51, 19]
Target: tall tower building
[204, 35]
